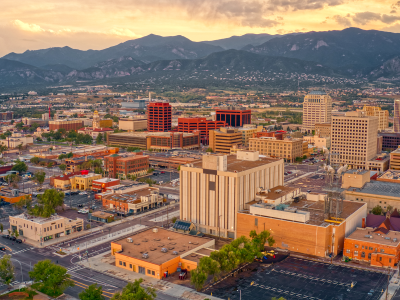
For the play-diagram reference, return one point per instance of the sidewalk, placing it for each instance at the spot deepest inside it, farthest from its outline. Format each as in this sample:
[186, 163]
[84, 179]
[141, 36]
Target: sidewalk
[101, 263]
[93, 231]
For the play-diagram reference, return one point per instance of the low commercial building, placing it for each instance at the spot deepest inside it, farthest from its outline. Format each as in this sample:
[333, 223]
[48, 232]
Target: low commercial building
[133, 202]
[120, 166]
[42, 229]
[68, 125]
[131, 124]
[94, 132]
[318, 142]
[62, 182]
[101, 216]
[156, 140]
[395, 159]
[157, 251]
[224, 139]
[300, 225]
[200, 124]
[288, 149]
[390, 140]
[101, 185]
[84, 181]
[17, 139]
[170, 162]
[379, 246]
[248, 131]
[12, 195]
[379, 163]
[74, 164]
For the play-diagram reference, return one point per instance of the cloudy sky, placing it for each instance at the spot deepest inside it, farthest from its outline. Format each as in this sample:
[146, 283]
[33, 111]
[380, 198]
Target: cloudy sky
[97, 24]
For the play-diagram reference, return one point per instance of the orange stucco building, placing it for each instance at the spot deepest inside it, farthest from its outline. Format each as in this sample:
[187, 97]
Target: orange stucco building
[156, 251]
[379, 246]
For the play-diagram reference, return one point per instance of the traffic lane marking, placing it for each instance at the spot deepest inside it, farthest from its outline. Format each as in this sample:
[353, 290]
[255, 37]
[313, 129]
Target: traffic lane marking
[84, 286]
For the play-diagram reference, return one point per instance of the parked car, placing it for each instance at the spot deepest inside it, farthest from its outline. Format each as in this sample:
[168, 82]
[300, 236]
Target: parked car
[3, 248]
[80, 205]
[308, 191]
[19, 241]
[6, 236]
[82, 193]
[13, 238]
[289, 172]
[162, 172]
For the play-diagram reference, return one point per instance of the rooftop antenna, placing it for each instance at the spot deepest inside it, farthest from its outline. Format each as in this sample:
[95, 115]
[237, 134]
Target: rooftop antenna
[333, 206]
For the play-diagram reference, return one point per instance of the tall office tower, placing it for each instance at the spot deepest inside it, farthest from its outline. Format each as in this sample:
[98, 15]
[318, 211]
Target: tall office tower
[354, 140]
[233, 117]
[214, 190]
[317, 108]
[376, 111]
[96, 120]
[396, 119]
[159, 116]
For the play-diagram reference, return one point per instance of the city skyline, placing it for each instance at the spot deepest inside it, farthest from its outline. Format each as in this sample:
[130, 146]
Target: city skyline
[97, 25]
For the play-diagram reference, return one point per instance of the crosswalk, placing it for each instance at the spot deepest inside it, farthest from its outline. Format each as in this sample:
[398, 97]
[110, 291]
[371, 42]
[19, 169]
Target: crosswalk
[24, 250]
[74, 269]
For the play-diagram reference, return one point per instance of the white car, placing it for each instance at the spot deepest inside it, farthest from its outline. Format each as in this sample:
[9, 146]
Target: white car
[82, 193]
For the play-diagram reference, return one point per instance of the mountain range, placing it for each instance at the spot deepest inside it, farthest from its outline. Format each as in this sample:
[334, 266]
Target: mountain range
[351, 53]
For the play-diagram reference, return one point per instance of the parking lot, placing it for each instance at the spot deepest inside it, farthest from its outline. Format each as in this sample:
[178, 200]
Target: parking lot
[296, 278]
[167, 176]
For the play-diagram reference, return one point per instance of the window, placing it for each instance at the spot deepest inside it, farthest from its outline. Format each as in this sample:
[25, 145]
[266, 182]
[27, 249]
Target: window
[382, 250]
[120, 263]
[124, 264]
[362, 247]
[255, 222]
[142, 270]
[355, 253]
[348, 251]
[355, 246]
[390, 260]
[369, 255]
[363, 254]
[370, 248]
[44, 229]
[380, 258]
[130, 266]
[153, 273]
[148, 271]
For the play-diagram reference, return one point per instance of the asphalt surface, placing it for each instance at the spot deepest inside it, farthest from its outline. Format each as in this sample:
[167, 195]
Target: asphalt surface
[302, 279]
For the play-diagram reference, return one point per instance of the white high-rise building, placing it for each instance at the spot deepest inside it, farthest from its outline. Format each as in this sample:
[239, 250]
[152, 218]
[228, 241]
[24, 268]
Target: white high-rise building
[317, 108]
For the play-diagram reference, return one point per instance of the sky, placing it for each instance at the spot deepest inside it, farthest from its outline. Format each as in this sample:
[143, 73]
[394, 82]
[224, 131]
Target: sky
[98, 24]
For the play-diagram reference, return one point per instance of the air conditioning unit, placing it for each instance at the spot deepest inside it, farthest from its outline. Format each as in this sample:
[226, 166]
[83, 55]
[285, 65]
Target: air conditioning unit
[129, 240]
[155, 230]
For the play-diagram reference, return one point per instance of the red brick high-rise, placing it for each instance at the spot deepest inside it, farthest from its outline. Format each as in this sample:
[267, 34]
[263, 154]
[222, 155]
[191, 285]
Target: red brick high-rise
[202, 124]
[234, 118]
[159, 115]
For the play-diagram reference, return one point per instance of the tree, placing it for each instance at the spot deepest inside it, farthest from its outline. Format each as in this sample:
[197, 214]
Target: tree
[70, 154]
[39, 177]
[24, 202]
[209, 150]
[19, 125]
[6, 270]
[92, 292]
[210, 266]
[99, 138]
[16, 234]
[63, 167]
[133, 291]
[62, 156]
[12, 179]
[389, 209]
[20, 147]
[132, 149]
[50, 277]
[20, 166]
[198, 278]
[35, 160]
[47, 203]
[50, 164]
[3, 148]
[173, 220]
[377, 210]
[1, 227]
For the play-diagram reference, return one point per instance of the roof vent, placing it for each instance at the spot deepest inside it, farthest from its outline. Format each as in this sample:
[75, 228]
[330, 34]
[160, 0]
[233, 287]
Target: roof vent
[129, 240]
[145, 255]
[164, 250]
[155, 230]
[175, 252]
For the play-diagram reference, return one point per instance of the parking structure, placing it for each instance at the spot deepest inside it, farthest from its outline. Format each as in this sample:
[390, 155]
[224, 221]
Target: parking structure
[296, 278]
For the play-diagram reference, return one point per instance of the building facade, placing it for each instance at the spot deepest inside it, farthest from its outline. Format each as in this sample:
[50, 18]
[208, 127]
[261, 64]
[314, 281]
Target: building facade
[376, 111]
[317, 108]
[354, 139]
[233, 117]
[214, 190]
[224, 139]
[117, 166]
[323, 129]
[396, 118]
[130, 124]
[288, 148]
[201, 124]
[159, 116]
[68, 125]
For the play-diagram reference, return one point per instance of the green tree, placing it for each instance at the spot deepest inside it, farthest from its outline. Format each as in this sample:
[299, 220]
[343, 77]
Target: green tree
[24, 202]
[3, 148]
[210, 266]
[92, 292]
[12, 179]
[70, 154]
[19, 125]
[377, 210]
[133, 149]
[20, 147]
[198, 278]
[6, 270]
[50, 164]
[62, 156]
[173, 220]
[20, 166]
[115, 119]
[39, 177]
[1, 227]
[99, 138]
[389, 209]
[133, 291]
[178, 168]
[280, 298]
[209, 149]
[16, 234]
[35, 160]
[49, 277]
[47, 203]
[63, 167]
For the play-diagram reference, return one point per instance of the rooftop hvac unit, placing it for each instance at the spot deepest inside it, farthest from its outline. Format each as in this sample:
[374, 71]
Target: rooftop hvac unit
[15, 192]
[155, 230]
[164, 250]
[145, 255]
[175, 252]
[395, 240]
[129, 240]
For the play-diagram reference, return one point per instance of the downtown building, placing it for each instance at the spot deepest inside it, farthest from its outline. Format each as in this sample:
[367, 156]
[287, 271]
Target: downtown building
[159, 116]
[317, 109]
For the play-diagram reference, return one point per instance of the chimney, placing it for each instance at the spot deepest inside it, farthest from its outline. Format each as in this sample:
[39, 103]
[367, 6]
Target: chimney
[363, 222]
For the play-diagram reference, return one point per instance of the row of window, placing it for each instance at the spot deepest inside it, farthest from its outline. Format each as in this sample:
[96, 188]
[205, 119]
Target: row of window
[142, 270]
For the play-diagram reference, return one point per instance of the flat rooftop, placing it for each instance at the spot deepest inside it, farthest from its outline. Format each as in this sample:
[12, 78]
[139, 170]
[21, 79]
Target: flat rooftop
[131, 197]
[152, 242]
[146, 134]
[390, 174]
[316, 209]
[392, 238]
[105, 180]
[380, 188]
[38, 220]
[276, 192]
[240, 165]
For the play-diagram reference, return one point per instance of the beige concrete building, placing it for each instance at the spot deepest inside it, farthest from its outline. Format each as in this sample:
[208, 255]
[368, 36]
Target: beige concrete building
[214, 190]
[354, 139]
[247, 132]
[323, 129]
[395, 159]
[376, 111]
[84, 182]
[287, 148]
[396, 118]
[318, 142]
[17, 139]
[42, 229]
[317, 108]
[130, 124]
[224, 139]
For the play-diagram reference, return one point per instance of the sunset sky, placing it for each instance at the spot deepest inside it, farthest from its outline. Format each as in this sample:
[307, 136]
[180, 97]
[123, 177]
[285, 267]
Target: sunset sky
[90, 24]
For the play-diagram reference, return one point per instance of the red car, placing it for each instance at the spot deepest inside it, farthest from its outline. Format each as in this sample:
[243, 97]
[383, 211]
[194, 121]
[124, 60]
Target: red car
[162, 172]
